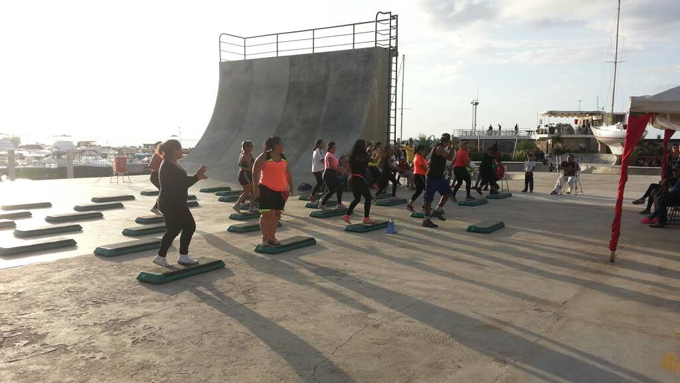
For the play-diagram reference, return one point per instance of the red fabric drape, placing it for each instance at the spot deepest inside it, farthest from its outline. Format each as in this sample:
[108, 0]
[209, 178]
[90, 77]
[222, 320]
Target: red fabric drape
[667, 134]
[636, 127]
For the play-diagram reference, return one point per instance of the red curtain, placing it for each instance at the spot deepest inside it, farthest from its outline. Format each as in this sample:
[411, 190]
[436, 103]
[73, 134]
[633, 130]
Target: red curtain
[667, 134]
[636, 127]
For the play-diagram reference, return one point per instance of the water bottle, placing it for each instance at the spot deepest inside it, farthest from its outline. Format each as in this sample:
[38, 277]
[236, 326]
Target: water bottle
[391, 228]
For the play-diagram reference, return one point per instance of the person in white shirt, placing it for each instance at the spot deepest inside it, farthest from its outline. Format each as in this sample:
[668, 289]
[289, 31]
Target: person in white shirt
[318, 156]
[529, 166]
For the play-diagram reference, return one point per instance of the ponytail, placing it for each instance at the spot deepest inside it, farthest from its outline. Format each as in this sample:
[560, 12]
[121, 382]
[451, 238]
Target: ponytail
[316, 145]
[166, 149]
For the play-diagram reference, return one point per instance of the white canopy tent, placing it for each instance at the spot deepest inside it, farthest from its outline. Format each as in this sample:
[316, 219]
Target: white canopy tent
[666, 106]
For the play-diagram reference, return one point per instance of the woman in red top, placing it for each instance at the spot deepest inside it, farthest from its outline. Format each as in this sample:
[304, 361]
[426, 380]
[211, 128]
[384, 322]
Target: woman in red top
[272, 185]
[330, 177]
[155, 165]
[419, 174]
[460, 170]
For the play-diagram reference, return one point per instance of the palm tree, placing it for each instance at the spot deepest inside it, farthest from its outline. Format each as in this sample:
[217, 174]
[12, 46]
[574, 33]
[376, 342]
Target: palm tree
[424, 139]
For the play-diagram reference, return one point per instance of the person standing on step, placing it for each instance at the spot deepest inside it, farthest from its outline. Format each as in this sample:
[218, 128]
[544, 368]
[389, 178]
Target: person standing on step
[487, 172]
[388, 170]
[374, 164]
[330, 177]
[358, 163]
[435, 181]
[155, 165]
[318, 155]
[272, 185]
[529, 167]
[172, 202]
[460, 171]
[419, 174]
[245, 175]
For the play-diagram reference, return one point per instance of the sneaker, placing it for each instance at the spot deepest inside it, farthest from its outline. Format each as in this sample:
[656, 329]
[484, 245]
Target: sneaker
[185, 259]
[368, 221]
[454, 199]
[323, 207]
[439, 215]
[273, 242]
[312, 199]
[409, 207]
[646, 212]
[237, 208]
[161, 261]
[639, 201]
[658, 225]
[648, 221]
[156, 211]
[346, 219]
[553, 193]
[341, 206]
[524, 190]
[428, 223]
[478, 190]
[470, 198]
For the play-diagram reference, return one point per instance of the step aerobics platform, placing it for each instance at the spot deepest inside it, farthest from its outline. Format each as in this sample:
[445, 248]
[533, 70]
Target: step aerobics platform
[144, 230]
[287, 244]
[215, 189]
[16, 215]
[24, 206]
[47, 230]
[361, 228]
[116, 249]
[113, 198]
[160, 275]
[98, 206]
[486, 227]
[47, 244]
[71, 217]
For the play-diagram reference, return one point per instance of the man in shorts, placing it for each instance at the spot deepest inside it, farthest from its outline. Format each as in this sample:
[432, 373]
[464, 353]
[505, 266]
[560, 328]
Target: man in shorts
[435, 181]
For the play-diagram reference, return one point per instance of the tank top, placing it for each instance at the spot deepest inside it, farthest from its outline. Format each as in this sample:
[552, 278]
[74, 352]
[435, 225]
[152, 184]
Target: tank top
[437, 166]
[273, 173]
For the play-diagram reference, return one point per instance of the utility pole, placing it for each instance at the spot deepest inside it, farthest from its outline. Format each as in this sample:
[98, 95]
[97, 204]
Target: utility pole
[579, 104]
[475, 103]
[403, 73]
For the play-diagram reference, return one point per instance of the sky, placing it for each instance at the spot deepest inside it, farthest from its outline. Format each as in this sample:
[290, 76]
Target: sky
[142, 70]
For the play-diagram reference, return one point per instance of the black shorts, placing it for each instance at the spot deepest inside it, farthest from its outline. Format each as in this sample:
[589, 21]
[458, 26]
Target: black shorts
[270, 199]
[245, 177]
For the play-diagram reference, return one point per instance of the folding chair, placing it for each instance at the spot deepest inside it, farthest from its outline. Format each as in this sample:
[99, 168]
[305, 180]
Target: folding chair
[507, 185]
[577, 185]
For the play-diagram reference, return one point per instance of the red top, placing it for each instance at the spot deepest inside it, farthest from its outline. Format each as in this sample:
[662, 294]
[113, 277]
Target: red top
[462, 158]
[418, 163]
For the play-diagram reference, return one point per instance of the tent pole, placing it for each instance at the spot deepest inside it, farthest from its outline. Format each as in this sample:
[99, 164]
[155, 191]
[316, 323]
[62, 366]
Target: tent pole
[612, 256]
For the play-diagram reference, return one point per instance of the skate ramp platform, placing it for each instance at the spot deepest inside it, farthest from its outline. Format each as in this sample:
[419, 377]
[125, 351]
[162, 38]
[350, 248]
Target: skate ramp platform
[334, 96]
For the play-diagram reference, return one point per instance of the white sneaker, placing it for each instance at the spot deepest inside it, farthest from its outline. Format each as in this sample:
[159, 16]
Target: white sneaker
[185, 259]
[323, 207]
[161, 261]
[341, 206]
[156, 211]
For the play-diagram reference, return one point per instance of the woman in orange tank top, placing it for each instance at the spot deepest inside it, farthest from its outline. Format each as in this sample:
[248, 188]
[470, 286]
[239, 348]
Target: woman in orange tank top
[272, 185]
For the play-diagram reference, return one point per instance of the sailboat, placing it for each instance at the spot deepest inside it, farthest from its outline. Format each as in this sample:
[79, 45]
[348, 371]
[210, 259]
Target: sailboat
[613, 135]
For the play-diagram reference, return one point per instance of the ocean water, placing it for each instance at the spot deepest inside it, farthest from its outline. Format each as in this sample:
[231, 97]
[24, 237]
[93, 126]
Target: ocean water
[188, 142]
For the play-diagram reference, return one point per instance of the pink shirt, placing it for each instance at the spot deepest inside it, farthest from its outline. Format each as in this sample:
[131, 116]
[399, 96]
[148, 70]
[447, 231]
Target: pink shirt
[330, 161]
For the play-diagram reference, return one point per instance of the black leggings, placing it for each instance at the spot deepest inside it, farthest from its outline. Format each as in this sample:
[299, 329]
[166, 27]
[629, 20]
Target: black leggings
[386, 177]
[489, 178]
[157, 183]
[359, 189]
[330, 178]
[419, 180]
[375, 174]
[319, 182]
[529, 181]
[178, 219]
[461, 175]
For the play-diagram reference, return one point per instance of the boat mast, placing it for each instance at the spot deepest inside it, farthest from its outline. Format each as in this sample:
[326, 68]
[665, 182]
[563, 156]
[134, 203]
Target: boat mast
[616, 60]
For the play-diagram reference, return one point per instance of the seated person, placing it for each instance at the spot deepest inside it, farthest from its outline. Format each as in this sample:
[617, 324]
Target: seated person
[405, 171]
[670, 198]
[653, 189]
[569, 169]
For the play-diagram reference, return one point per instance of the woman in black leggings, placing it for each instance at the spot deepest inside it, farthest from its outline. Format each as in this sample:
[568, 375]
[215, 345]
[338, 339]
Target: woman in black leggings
[172, 202]
[388, 170]
[318, 155]
[358, 162]
[419, 174]
[330, 177]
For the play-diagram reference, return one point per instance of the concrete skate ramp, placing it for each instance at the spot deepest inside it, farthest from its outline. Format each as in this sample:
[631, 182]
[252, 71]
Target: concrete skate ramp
[334, 96]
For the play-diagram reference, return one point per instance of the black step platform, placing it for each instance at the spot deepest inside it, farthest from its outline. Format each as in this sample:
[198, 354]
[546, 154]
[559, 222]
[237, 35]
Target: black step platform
[231, 198]
[305, 197]
[244, 216]
[6, 224]
[391, 202]
[315, 205]
[215, 189]
[113, 198]
[160, 275]
[191, 197]
[475, 202]
[150, 193]
[500, 195]
[47, 230]
[287, 244]
[72, 217]
[192, 203]
[144, 230]
[486, 227]
[24, 206]
[16, 215]
[48, 244]
[98, 206]
[361, 228]
[228, 193]
[128, 247]
[246, 227]
[328, 213]
[147, 219]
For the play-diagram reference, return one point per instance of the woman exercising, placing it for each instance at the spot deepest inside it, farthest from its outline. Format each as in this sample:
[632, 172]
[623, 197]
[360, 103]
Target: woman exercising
[318, 155]
[155, 165]
[172, 202]
[245, 175]
[374, 163]
[330, 177]
[388, 170]
[358, 162]
[272, 185]
[419, 174]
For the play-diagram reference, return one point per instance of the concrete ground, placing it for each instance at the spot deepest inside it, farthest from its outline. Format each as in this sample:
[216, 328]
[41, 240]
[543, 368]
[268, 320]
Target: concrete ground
[536, 301]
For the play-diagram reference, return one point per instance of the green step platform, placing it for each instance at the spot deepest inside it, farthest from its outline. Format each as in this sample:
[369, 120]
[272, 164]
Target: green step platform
[54, 243]
[16, 215]
[7, 224]
[192, 203]
[161, 275]
[328, 213]
[46, 230]
[24, 206]
[287, 244]
[476, 202]
[246, 227]
[391, 202]
[486, 227]
[113, 198]
[383, 196]
[128, 247]
[144, 230]
[231, 198]
[148, 219]
[99, 206]
[191, 197]
[361, 228]
[500, 195]
[228, 193]
[315, 205]
[305, 197]
[73, 217]
[244, 216]
[150, 193]
[417, 215]
[215, 189]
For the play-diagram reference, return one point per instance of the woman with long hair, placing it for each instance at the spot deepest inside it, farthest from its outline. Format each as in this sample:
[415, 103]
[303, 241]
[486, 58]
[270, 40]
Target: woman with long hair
[330, 177]
[358, 162]
[155, 165]
[388, 170]
[376, 156]
[318, 156]
[172, 202]
[245, 175]
[272, 185]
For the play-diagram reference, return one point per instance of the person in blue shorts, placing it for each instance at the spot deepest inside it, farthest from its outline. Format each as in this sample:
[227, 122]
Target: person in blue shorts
[435, 181]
